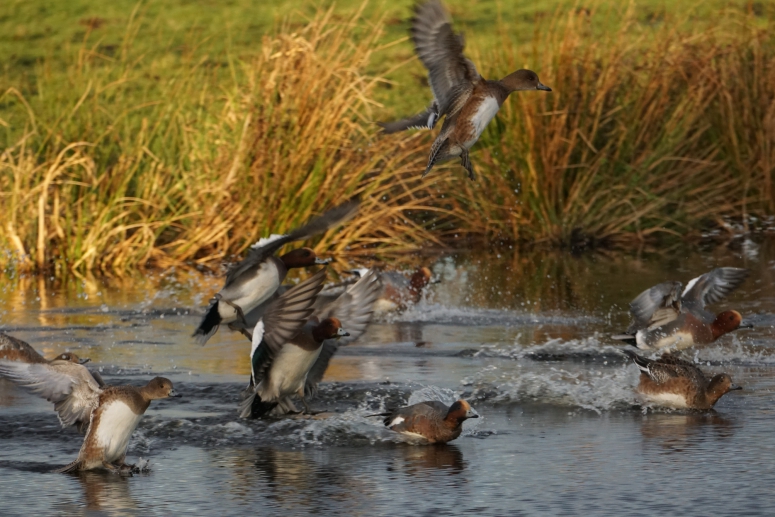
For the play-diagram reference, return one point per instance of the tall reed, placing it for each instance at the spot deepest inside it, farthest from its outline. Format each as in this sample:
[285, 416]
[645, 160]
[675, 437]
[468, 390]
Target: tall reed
[137, 163]
[643, 134]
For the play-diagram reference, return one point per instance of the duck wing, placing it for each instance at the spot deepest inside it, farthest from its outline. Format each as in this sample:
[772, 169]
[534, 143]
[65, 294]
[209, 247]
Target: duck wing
[712, 287]
[452, 76]
[655, 306]
[405, 418]
[72, 389]
[265, 248]
[354, 308]
[666, 368]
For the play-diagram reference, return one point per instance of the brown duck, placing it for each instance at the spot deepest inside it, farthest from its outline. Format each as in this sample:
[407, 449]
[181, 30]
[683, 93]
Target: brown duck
[466, 100]
[674, 383]
[432, 421]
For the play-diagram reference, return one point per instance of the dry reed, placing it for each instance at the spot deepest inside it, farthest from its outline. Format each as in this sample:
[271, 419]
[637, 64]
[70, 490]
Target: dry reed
[638, 138]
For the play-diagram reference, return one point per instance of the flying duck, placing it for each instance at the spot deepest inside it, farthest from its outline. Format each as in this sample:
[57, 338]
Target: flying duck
[466, 100]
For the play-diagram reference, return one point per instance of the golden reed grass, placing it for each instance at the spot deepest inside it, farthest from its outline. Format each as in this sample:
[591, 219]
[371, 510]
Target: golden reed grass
[638, 138]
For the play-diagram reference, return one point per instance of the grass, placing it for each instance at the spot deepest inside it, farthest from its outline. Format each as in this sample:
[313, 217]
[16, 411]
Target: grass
[178, 142]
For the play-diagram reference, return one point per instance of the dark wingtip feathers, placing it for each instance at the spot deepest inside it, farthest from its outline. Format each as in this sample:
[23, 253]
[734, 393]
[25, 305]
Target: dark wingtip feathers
[209, 324]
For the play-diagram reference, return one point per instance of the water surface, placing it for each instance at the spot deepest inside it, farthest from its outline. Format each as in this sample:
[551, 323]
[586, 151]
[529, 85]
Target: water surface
[521, 336]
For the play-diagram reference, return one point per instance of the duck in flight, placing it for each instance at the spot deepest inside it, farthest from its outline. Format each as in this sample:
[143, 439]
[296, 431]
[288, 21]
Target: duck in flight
[466, 100]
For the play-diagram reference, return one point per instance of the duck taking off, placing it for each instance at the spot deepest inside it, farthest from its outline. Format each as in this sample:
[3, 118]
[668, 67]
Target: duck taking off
[270, 359]
[254, 280]
[664, 316]
[466, 100]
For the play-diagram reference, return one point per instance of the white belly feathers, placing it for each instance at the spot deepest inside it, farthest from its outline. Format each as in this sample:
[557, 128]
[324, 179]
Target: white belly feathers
[289, 372]
[116, 425]
[484, 114]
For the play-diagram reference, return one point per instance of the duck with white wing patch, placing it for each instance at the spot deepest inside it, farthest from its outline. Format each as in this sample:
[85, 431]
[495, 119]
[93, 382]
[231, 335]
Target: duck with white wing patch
[251, 284]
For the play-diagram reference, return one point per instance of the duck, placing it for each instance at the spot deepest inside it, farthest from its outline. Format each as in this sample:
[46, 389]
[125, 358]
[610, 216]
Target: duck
[355, 308]
[466, 100]
[114, 418]
[14, 349]
[431, 421]
[255, 279]
[281, 322]
[108, 414]
[664, 316]
[398, 292]
[678, 384]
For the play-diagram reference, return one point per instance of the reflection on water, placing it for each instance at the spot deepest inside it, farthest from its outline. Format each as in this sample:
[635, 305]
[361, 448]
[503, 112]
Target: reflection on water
[680, 432]
[107, 492]
[522, 336]
[417, 461]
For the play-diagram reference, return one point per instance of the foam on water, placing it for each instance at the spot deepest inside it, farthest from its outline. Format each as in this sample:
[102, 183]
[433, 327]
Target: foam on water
[595, 389]
[426, 312]
[560, 349]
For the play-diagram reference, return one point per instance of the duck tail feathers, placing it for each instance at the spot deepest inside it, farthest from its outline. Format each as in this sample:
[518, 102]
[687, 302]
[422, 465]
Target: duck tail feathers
[246, 404]
[252, 406]
[74, 466]
[209, 324]
[641, 362]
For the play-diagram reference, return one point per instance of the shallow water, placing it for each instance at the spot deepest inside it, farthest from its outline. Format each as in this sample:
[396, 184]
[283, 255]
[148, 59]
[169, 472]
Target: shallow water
[523, 337]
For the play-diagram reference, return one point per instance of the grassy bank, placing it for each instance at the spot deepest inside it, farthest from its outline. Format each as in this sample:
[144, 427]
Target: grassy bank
[145, 147]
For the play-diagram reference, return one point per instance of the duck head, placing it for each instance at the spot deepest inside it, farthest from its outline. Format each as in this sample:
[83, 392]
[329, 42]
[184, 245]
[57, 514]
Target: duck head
[523, 80]
[719, 386]
[459, 412]
[329, 328]
[71, 358]
[302, 257]
[159, 388]
[725, 322]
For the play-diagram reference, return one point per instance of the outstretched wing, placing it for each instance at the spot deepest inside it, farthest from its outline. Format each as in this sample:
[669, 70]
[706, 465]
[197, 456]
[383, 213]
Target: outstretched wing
[354, 309]
[655, 306]
[450, 73]
[69, 386]
[283, 319]
[267, 247]
[712, 287]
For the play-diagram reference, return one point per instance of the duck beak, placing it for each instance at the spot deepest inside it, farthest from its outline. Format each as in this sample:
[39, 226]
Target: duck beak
[745, 324]
[735, 387]
[322, 262]
[175, 394]
[342, 332]
[543, 87]
[84, 360]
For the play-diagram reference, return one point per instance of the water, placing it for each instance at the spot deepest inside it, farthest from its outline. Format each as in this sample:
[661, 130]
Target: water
[522, 337]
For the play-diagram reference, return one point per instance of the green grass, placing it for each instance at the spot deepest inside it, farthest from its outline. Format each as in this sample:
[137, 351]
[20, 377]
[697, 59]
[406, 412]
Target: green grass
[40, 38]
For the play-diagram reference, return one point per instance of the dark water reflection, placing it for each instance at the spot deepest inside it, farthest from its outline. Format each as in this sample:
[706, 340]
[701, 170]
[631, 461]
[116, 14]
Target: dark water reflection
[524, 336]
